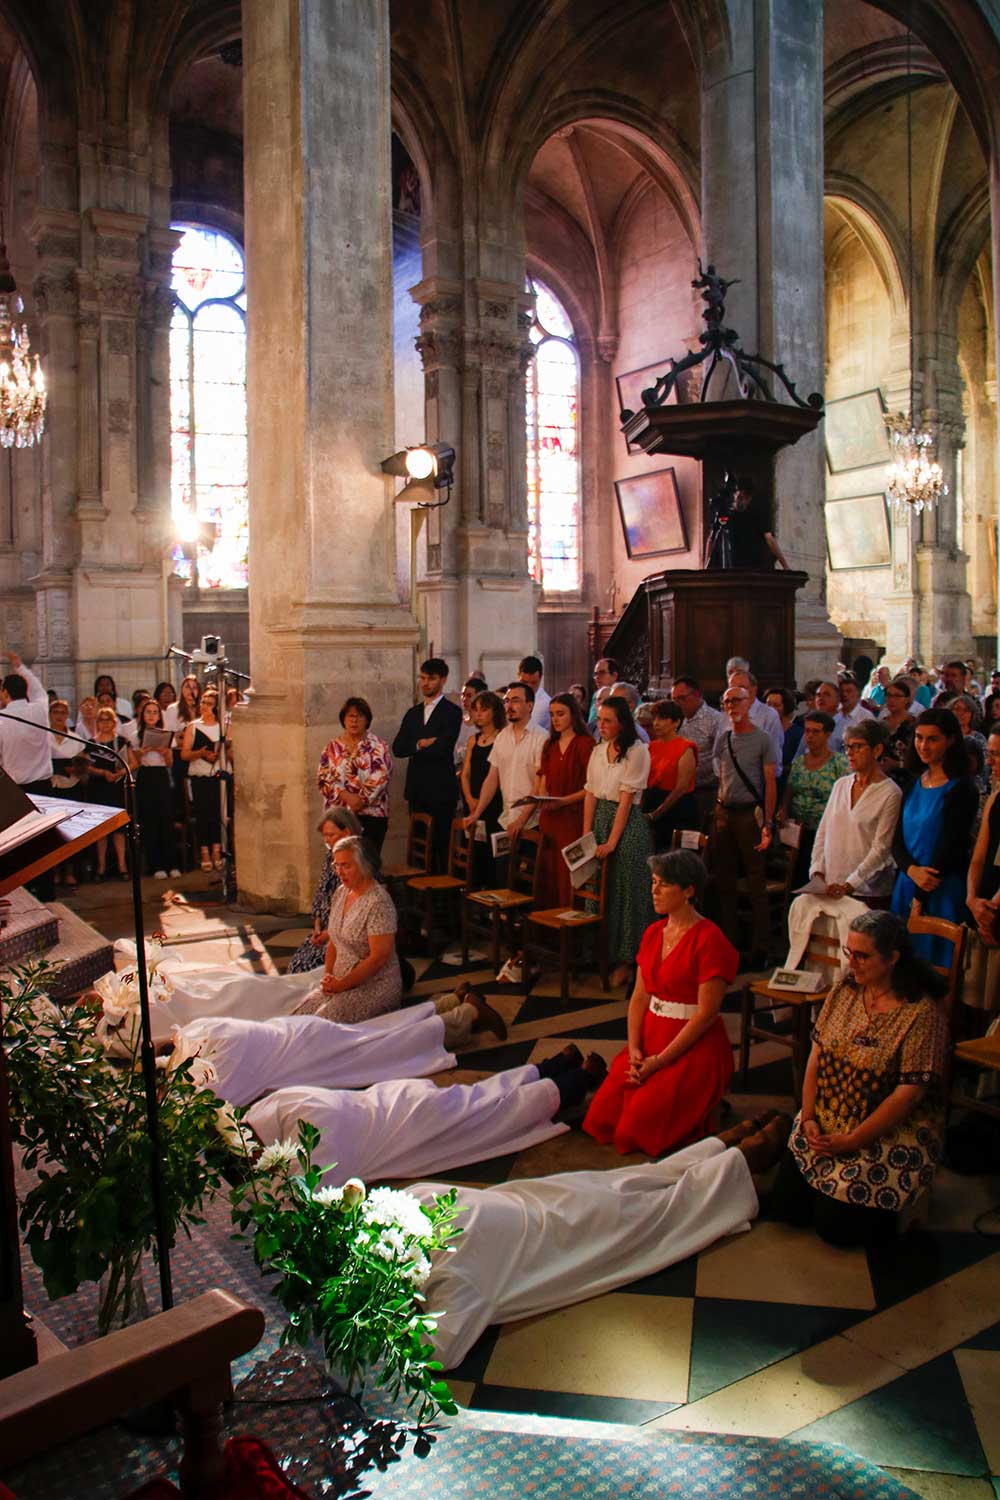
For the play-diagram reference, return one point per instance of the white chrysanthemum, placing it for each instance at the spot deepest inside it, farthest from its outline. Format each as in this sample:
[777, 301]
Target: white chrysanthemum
[393, 1207]
[328, 1196]
[239, 1138]
[420, 1268]
[278, 1154]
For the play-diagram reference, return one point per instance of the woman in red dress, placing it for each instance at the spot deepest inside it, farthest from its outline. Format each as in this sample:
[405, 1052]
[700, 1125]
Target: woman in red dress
[662, 1090]
[561, 774]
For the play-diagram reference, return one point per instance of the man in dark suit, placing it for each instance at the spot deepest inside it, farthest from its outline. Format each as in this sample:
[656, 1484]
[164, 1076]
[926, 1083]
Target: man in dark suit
[427, 738]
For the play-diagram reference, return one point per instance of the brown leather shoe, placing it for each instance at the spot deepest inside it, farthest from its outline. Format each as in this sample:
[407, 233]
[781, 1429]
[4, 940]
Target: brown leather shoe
[487, 1019]
[737, 1133]
[763, 1149]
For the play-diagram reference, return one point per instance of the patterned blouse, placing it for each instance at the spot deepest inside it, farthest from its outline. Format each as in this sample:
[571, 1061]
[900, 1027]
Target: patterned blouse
[365, 770]
[811, 789]
[862, 1060]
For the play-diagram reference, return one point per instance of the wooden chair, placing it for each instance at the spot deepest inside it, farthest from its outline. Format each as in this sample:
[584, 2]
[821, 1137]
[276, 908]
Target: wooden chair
[983, 1053]
[184, 1354]
[954, 933]
[780, 861]
[822, 953]
[571, 923]
[505, 905]
[447, 889]
[684, 838]
[418, 850]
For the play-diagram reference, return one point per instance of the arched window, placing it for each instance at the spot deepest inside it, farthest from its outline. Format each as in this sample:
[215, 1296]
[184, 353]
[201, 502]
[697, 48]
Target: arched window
[208, 410]
[553, 406]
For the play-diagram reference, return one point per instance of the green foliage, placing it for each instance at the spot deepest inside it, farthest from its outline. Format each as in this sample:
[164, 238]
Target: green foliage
[350, 1265]
[80, 1120]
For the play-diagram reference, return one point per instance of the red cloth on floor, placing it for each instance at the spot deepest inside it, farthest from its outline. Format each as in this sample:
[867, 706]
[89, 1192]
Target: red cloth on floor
[675, 1105]
[252, 1473]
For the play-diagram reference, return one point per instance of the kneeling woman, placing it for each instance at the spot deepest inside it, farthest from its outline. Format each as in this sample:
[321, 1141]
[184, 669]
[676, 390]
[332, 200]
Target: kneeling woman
[662, 1091]
[362, 976]
[868, 1136]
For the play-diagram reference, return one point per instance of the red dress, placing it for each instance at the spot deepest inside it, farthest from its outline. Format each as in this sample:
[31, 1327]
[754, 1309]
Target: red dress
[564, 774]
[674, 1106]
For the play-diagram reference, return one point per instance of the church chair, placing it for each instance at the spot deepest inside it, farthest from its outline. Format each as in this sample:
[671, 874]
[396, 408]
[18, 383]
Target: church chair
[952, 932]
[447, 890]
[779, 861]
[689, 838]
[757, 997]
[575, 926]
[506, 905]
[184, 1355]
[418, 850]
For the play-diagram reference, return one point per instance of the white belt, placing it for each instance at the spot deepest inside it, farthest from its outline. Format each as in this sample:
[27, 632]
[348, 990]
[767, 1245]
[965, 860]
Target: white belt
[672, 1008]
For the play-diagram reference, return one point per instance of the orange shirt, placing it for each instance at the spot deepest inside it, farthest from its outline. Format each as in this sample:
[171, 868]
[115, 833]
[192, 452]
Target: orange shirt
[664, 758]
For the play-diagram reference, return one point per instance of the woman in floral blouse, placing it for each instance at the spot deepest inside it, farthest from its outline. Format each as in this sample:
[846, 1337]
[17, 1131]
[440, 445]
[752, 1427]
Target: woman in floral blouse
[354, 771]
[810, 782]
[868, 1135]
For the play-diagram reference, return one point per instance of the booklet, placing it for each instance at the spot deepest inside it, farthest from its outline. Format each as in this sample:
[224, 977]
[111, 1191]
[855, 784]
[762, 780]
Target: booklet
[32, 823]
[580, 861]
[155, 739]
[808, 983]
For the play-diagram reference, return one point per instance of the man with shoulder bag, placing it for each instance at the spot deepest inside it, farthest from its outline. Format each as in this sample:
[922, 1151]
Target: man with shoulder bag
[743, 824]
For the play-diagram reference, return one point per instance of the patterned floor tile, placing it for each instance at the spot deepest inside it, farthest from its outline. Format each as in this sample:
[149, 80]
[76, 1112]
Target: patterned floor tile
[987, 1338]
[676, 1281]
[776, 1263]
[942, 1486]
[571, 1152]
[917, 1260]
[980, 1372]
[935, 1319]
[732, 1339]
[568, 1404]
[496, 1059]
[618, 1345]
[920, 1421]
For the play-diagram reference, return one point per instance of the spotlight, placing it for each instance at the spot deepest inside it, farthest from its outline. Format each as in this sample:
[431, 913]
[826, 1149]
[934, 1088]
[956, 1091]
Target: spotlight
[188, 527]
[423, 466]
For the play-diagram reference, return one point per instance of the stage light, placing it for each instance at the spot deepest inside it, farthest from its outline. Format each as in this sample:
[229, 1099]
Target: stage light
[420, 463]
[425, 466]
[188, 527]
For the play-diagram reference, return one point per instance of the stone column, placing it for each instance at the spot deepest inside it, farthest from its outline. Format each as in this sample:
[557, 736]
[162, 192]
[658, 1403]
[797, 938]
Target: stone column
[762, 221]
[478, 599]
[324, 613]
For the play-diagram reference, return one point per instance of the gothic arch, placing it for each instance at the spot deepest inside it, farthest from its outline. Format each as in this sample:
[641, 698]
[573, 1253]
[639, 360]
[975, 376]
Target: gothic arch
[959, 247]
[877, 230]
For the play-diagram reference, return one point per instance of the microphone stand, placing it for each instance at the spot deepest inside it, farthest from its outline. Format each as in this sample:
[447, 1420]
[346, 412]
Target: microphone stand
[146, 1051]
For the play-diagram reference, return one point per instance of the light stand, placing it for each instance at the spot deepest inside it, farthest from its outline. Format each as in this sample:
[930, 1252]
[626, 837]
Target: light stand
[146, 1052]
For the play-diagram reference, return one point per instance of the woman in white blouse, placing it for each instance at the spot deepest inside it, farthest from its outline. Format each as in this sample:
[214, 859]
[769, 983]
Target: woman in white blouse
[853, 849]
[617, 775]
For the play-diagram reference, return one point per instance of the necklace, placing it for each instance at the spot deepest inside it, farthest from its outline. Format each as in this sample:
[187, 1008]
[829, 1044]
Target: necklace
[670, 943]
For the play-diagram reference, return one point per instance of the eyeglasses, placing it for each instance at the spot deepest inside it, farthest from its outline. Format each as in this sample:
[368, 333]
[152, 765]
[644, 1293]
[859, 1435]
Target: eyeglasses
[854, 957]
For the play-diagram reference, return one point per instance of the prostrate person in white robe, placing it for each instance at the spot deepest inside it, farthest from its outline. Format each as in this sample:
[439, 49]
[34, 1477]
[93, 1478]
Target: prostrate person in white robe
[410, 1126]
[530, 1246]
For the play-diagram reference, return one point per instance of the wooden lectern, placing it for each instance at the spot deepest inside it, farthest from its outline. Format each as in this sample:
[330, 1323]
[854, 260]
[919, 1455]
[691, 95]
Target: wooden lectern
[688, 622]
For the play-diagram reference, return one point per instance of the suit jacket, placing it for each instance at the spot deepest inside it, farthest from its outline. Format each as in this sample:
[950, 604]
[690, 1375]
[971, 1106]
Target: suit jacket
[430, 775]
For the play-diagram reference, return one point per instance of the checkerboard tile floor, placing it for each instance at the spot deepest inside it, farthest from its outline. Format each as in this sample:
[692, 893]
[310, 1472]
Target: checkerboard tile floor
[895, 1354]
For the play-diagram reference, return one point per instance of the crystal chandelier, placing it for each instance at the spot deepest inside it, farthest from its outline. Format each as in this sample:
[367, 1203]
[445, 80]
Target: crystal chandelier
[23, 396]
[914, 479]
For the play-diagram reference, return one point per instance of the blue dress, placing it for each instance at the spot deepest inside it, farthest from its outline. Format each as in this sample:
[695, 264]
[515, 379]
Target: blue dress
[923, 815]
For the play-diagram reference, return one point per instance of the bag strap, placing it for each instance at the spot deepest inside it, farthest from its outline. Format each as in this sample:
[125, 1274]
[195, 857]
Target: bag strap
[741, 773]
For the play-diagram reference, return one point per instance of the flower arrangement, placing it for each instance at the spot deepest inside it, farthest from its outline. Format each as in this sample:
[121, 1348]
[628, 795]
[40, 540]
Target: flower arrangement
[80, 1119]
[351, 1265]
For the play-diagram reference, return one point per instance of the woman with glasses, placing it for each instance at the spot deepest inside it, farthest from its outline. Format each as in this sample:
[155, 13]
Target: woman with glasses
[933, 841]
[339, 823]
[852, 852]
[868, 1136]
[898, 721]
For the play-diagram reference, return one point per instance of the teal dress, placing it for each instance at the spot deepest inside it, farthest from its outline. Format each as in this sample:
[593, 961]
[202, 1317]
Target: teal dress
[923, 818]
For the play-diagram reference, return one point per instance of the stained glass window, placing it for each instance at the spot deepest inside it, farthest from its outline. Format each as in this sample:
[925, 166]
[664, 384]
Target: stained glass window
[208, 410]
[553, 404]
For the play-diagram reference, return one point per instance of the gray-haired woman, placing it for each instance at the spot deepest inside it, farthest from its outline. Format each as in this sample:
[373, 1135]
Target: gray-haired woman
[852, 854]
[339, 823]
[662, 1090]
[362, 977]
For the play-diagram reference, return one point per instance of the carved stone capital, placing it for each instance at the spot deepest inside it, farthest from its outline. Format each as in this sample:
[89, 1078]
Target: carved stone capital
[55, 293]
[120, 336]
[119, 415]
[440, 307]
[440, 346]
[118, 293]
[607, 346]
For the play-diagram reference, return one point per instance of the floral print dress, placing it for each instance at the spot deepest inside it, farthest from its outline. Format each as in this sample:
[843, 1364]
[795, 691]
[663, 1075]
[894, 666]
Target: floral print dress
[365, 771]
[862, 1060]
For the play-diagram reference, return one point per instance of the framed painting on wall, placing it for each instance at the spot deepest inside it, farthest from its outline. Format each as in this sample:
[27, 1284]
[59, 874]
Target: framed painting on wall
[857, 532]
[652, 519]
[630, 389]
[856, 434]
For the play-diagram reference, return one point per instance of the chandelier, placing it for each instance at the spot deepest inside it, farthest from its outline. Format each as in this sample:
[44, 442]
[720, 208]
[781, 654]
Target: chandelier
[23, 396]
[914, 479]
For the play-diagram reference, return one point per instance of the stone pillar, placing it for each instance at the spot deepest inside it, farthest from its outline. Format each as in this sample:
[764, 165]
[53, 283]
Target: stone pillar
[476, 594]
[324, 613]
[762, 221]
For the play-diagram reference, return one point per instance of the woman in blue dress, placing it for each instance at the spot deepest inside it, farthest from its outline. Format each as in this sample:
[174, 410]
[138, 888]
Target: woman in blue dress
[933, 843]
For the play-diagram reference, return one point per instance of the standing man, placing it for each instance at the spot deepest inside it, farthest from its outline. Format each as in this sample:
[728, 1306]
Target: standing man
[827, 701]
[25, 753]
[701, 724]
[761, 714]
[955, 680]
[427, 738]
[606, 673]
[744, 819]
[530, 671]
[514, 762]
[851, 710]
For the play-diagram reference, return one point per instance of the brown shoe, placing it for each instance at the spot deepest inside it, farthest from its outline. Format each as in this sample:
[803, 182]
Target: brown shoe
[737, 1133]
[595, 1065]
[487, 1019]
[763, 1149]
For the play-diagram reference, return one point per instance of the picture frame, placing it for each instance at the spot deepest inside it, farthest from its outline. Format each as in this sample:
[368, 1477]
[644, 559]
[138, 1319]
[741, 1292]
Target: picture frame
[650, 509]
[631, 386]
[857, 533]
[855, 433]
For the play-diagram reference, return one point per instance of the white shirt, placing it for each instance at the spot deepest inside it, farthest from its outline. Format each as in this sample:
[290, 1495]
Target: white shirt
[607, 779]
[26, 753]
[764, 717]
[430, 704]
[517, 762]
[854, 844]
[540, 712]
[854, 716]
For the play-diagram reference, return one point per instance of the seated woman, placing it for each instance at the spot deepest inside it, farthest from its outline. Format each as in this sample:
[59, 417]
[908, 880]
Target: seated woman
[867, 1138]
[339, 823]
[852, 852]
[668, 801]
[663, 1089]
[362, 977]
